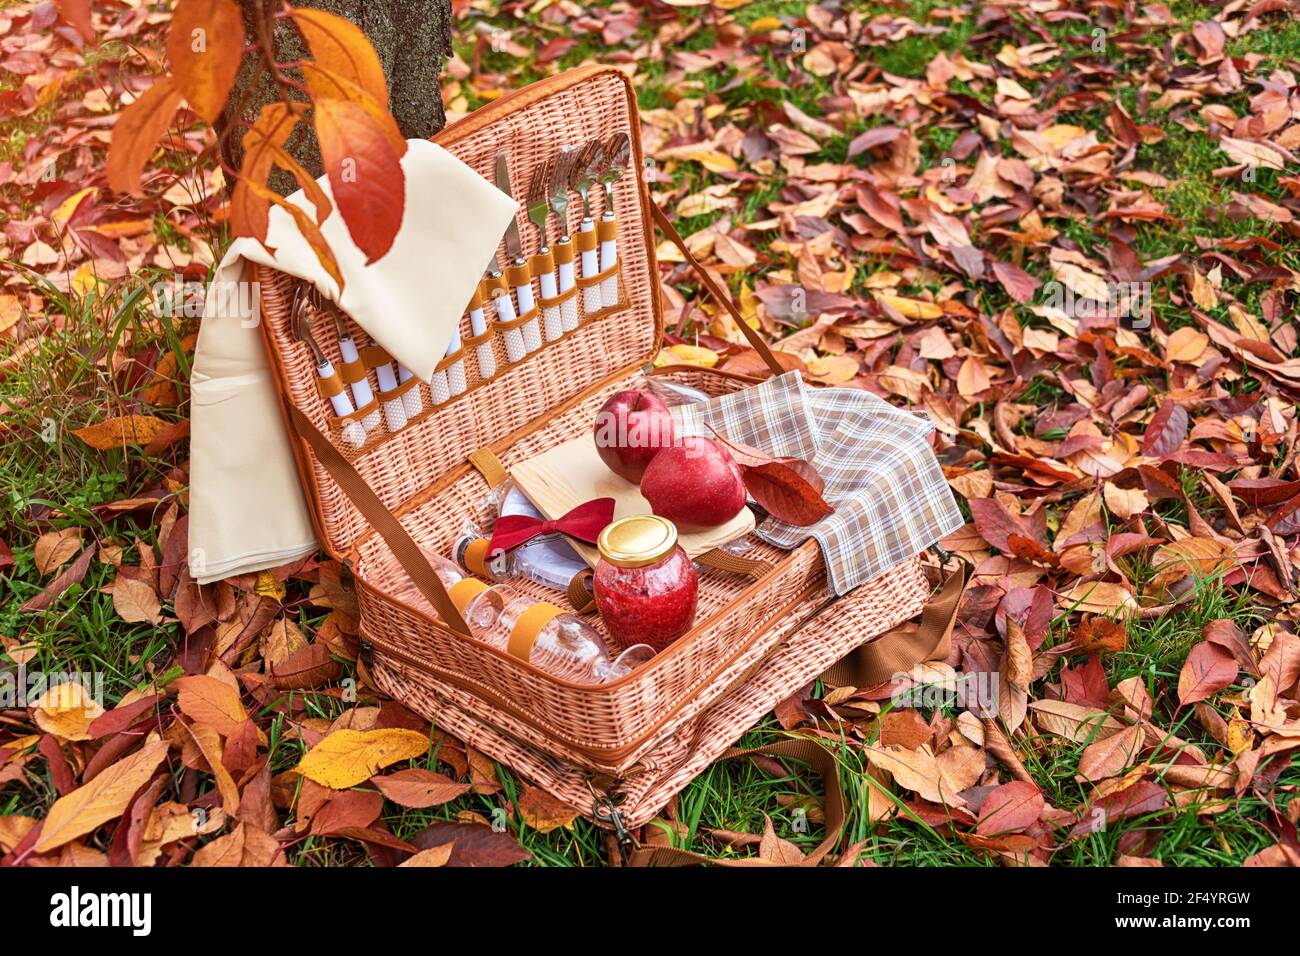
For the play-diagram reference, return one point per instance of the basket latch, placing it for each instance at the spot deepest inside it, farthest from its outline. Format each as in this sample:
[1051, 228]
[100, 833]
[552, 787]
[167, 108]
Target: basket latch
[604, 809]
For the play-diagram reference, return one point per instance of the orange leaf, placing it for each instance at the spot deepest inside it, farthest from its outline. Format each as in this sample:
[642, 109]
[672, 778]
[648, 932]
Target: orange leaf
[341, 47]
[365, 174]
[249, 210]
[310, 231]
[104, 798]
[116, 432]
[77, 14]
[205, 43]
[138, 129]
[325, 85]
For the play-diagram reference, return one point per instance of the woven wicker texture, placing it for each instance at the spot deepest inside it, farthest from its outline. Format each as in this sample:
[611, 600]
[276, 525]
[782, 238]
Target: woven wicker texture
[809, 640]
[399, 466]
[735, 614]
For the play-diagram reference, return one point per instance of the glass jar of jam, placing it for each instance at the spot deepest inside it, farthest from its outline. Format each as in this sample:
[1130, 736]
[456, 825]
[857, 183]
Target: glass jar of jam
[645, 584]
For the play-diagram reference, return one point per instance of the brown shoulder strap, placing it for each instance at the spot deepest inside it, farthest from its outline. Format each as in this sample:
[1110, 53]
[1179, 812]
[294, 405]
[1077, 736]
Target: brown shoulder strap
[901, 649]
[719, 294]
[404, 548]
[897, 650]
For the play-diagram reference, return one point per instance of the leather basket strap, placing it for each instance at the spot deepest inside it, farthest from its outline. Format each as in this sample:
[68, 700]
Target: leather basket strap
[403, 546]
[901, 649]
[719, 294]
[721, 560]
[816, 756]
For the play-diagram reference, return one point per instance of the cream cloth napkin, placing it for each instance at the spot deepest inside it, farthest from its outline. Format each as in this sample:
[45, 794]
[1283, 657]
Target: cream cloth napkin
[247, 510]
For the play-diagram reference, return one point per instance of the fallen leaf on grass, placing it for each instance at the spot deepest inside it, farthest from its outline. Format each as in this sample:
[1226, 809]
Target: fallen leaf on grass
[105, 798]
[418, 788]
[348, 757]
[116, 432]
[1208, 669]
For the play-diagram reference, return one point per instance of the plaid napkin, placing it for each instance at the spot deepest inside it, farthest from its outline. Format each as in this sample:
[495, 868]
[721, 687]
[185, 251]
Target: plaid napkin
[890, 498]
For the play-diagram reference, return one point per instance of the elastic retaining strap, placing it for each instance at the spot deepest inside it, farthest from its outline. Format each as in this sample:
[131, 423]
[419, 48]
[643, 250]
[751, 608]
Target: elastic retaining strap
[399, 541]
[490, 467]
[721, 560]
[719, 295]
[475, 557]
[524, 634]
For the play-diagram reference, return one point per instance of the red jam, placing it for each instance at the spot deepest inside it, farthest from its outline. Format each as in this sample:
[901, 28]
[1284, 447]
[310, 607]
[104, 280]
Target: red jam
[645, 603]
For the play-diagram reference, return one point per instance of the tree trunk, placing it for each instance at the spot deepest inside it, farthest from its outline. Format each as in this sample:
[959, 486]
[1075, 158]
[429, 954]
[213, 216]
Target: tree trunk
[412, 38]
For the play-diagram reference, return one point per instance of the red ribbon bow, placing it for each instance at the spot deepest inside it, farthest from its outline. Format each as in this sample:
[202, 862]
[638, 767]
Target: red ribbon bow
[584, 522]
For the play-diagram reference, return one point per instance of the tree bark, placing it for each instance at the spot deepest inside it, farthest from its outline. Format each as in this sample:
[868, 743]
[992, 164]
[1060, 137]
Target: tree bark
[413, 40]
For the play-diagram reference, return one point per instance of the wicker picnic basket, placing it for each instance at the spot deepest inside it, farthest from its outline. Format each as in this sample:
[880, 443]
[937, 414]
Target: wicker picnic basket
[766, 625]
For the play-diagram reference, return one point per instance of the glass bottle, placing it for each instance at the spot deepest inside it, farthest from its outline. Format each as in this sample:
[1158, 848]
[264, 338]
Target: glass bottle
[553, 640]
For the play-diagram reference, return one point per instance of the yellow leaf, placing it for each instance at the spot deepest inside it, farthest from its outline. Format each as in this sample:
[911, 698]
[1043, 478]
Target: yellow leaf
[66, 711]
[765, 25]
[116, 432]
[911, 308]
[1199, 557]
[833, 369]
[1098, 597]
[268, 586]
[1203, 293]
[694, 355]
[348, 757]
[104, 798]
[135, 601]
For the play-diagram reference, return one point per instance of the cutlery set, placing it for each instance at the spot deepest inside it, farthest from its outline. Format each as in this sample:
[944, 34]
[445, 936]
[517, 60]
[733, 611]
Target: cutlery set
[588, 169]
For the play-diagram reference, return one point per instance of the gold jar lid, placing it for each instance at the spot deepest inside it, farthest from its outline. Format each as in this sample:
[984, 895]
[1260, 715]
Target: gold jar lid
[637, 540]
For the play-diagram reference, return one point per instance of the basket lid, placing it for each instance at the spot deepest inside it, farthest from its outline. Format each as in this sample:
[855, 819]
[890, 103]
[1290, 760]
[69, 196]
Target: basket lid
[530, 126]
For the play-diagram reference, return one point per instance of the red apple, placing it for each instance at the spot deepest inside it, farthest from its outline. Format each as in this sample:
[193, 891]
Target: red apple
[631, 428]
[696, 484]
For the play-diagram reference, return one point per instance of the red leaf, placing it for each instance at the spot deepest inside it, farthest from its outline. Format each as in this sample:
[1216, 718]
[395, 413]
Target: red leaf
[475, 844]
[996, 525]
[1263, 491]
[1142, 798]
[1286, 520]
[1166, 430]
[364, 172]
[783, 488]
[789, 488]
[1208, 669]
[6, 556]
[1020, 285]
[121, 717]
[1010, 808]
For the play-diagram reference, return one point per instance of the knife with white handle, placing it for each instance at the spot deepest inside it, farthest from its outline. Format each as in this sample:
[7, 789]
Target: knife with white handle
[487, 362]
[519, 273]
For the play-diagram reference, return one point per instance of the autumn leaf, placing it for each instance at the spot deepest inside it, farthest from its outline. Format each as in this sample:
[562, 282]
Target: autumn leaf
[77, 14]
[1166, 430]
[788, 488]
[1010, 808]
[136, 135]
[1208, 669]
[434, 856]
[339, 46]
[135, 601]
[210, 701]
[205, 43]
[364, 173]
[102, 799]
[542, 812]
[67, 711]
[116, 432]
[418, 788]
[348, 757]
[55, 548]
